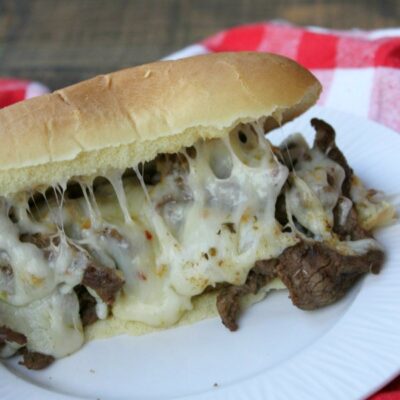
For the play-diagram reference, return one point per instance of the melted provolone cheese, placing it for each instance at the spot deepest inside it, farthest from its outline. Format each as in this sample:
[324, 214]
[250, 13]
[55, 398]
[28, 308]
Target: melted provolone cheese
[315, 187]
[52, 324]
[372, 206]
[207, 221]
[194, 229]
[314, 190]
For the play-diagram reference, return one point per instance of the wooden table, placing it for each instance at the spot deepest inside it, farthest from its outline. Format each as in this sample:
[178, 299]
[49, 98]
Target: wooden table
[60, 42]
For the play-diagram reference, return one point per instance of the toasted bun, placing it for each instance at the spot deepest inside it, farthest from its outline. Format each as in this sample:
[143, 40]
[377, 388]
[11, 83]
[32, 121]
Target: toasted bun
[120, 119]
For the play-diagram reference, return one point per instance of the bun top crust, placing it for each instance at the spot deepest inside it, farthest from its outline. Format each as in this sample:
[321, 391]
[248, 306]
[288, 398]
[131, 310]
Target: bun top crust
[120, 119]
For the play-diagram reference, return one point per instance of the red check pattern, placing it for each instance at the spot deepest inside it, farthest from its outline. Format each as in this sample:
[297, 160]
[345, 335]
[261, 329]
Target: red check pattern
[313, 49]
[14, 90]
[359, 70]
[330, 55]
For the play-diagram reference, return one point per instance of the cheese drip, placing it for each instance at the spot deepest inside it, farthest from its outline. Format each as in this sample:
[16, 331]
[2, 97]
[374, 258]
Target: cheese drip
[207, 217]
[207, 221]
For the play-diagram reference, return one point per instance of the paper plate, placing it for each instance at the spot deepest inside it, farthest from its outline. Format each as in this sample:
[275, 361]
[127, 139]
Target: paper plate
[344, 351]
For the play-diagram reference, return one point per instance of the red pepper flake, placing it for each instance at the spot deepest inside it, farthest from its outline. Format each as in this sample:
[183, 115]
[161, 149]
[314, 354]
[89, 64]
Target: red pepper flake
[149, 236]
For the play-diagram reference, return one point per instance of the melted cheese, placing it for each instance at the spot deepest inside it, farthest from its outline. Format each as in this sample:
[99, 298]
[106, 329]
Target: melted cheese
[208, 220]
[35, 276]
[51, 324]
[372, 206]
[175, 236]
[315, 187]
[32, 276]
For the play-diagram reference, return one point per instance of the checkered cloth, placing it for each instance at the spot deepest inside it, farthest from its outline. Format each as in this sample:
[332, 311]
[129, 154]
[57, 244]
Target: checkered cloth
[360, 72]
[14, 90]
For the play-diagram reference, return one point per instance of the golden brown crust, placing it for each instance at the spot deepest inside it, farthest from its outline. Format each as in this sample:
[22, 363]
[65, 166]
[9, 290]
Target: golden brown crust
[119, 119]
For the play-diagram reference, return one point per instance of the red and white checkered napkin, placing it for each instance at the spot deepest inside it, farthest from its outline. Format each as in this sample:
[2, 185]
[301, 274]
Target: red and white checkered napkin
[14, 90]
[360, 72]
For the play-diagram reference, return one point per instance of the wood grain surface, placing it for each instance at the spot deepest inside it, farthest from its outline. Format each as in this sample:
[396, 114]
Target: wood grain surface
[60, 42]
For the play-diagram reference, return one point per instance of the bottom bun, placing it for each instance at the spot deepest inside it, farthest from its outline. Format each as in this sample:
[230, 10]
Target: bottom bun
[204, 306]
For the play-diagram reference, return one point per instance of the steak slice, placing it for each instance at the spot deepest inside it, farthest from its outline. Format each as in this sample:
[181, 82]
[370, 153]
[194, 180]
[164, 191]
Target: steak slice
[38, 239]
[106, 282]
[34, 360]
[8, 335]
[87, 305]
[325, 142]
[41, 241]
[317, 275]
[351, 229]
[31, 359]
[229, 298]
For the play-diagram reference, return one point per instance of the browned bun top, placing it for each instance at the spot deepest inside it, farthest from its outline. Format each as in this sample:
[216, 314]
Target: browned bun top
[120, 119]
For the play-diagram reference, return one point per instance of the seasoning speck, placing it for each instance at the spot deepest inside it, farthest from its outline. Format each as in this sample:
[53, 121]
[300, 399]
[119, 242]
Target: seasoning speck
[230, 226]
[141, 276]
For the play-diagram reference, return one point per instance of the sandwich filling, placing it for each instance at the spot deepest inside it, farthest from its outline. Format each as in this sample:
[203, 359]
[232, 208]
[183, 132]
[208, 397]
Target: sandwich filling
[231, 213]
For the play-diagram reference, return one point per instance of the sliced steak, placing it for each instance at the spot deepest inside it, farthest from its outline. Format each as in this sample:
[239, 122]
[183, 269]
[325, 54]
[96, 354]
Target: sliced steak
[228, 305]
[229, 298]
[34, 360]
[8, 335]
[38, 239]
[41, 241]
[106, 282]
[317, 275]
[325, 142]
[87, 305]
[351, 228]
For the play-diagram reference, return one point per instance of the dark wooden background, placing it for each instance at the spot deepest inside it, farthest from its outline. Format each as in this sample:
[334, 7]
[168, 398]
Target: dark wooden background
[60, 42]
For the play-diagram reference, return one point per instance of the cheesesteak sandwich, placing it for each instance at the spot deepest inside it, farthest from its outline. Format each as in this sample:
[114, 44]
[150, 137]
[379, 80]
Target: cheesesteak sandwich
[151, 197]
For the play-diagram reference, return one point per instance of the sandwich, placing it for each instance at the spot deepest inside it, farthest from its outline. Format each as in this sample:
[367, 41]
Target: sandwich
[151, 197]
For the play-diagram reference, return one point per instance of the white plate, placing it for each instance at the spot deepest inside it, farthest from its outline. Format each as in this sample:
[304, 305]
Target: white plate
[344, 351]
